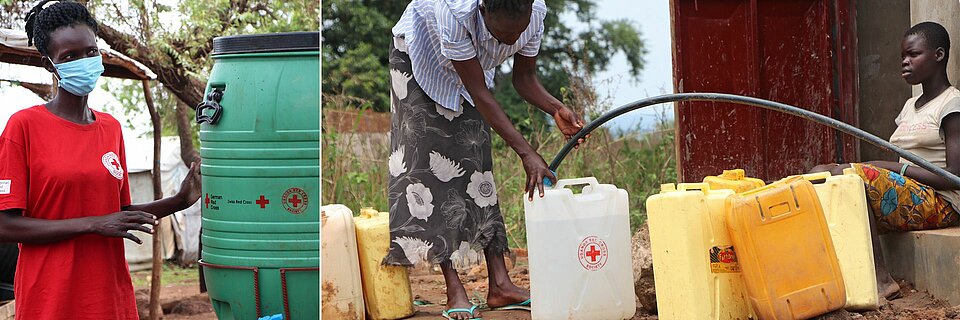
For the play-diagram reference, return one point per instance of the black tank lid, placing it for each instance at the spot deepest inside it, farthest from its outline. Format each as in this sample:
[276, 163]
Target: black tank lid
[268, 42]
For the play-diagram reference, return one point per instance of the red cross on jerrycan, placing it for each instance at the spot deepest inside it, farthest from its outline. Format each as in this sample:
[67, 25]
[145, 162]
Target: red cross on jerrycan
[579, 252]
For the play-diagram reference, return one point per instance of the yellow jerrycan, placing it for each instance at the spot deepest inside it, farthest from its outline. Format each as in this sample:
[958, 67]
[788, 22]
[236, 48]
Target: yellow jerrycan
[386, 289]
[785, 251]
[735, 180]
[696, 270]
[844, 205]
[342, 296]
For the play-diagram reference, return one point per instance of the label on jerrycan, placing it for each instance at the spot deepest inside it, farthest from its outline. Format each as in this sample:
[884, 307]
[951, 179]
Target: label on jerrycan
[593, 253]
[723, 259]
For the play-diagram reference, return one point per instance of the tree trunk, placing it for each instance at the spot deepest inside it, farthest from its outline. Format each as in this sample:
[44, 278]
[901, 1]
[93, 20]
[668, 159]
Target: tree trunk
[185, 130]
[155, 312]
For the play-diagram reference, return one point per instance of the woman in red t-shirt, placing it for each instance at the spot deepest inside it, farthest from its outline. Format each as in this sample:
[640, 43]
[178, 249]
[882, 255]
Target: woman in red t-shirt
[64, 192]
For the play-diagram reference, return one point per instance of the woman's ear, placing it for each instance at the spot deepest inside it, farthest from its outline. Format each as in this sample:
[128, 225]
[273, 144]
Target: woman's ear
[47, 63]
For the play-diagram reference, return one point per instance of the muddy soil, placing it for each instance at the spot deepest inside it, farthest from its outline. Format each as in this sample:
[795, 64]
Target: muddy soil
[430, 296]
[178, 301]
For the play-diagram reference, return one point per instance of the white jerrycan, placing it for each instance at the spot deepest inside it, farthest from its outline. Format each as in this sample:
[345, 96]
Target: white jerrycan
[579, 252]
[340, 268]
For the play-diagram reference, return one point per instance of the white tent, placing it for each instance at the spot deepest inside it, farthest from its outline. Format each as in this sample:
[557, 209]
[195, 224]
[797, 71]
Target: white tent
[180, 234]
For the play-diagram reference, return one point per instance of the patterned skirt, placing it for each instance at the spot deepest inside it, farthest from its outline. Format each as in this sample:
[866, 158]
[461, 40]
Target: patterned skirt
[442, 196]
[900, 203]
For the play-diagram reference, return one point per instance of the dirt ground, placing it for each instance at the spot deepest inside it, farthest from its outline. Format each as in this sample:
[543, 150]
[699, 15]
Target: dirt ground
[430, 298]
[180, 299]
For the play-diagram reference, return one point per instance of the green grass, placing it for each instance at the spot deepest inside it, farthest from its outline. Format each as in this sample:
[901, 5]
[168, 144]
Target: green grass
[172, 274]
[636, 162]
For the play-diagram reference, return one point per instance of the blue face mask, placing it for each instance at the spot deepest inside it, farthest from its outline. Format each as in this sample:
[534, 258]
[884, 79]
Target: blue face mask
[79, 77]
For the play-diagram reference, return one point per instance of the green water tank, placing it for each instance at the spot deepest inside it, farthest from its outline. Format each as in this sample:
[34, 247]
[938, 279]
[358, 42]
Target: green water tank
[260, 150]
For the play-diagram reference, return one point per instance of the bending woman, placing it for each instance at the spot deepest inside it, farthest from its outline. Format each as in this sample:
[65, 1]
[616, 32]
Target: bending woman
[443, 200]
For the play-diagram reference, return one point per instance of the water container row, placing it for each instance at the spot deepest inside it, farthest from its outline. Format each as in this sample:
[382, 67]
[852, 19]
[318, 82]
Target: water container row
[579, 258]
[794, 249]
[355, 283]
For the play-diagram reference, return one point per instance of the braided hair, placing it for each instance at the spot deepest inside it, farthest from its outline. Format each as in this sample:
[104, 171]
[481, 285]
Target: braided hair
[510, 8]
[49, 15]
[935, 35]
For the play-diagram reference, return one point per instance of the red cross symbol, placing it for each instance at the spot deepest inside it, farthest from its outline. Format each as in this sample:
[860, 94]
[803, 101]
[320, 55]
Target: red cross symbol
[115, 163]
[206, 200]
[593, 253]
[295, 201]
[263, 202]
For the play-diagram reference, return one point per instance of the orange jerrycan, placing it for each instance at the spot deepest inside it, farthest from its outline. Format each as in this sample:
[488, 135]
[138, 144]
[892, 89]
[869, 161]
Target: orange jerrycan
[785, 251]
[735, 180]
[844, 205]
[695, 267]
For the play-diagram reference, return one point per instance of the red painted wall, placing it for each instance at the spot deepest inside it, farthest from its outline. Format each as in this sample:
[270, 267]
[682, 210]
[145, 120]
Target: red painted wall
[798, 52]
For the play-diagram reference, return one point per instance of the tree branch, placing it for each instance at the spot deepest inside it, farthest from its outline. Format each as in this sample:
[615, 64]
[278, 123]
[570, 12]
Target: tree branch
[174, 77]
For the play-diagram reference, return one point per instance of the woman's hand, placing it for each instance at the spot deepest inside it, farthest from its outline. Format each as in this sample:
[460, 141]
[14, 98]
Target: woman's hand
[118, 224]
[190, 189]
[536, 170]
[569, 124]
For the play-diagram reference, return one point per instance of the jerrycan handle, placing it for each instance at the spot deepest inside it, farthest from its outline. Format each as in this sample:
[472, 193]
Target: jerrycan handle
[816, 176]
[571, 182]
[369, 212]
[211, 104]
[694, 186]
[735, 174]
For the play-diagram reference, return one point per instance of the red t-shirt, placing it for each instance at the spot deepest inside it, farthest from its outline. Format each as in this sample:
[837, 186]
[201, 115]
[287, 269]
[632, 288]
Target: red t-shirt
[56, 169]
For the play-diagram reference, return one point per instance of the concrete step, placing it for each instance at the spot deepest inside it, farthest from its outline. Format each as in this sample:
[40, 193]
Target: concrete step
[929, 259]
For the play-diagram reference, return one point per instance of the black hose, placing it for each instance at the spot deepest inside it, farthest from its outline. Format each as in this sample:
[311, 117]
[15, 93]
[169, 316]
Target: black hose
[766, 104]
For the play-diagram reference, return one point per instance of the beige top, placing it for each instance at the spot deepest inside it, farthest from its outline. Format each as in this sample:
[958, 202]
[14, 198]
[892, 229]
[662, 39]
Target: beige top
[919, 131]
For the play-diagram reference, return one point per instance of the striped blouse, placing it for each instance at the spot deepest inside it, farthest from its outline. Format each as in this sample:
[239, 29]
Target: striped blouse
[434, 32]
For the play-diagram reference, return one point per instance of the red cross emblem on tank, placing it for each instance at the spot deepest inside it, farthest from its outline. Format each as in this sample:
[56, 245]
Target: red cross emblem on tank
[592, 253]
[295, 200]
[263, 202]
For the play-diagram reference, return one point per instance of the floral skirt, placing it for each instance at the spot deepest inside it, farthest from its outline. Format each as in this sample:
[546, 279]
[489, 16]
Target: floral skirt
[902, 204]
[442, 196]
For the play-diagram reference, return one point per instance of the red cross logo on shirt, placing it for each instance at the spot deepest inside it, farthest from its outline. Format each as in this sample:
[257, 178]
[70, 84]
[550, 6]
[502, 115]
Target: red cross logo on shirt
[112, 163]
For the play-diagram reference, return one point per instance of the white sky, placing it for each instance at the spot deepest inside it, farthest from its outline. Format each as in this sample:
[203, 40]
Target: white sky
[653, 17]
